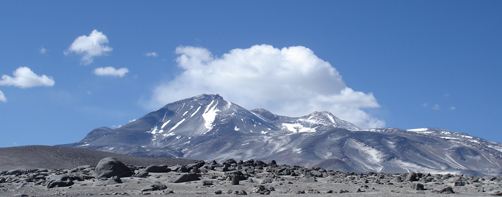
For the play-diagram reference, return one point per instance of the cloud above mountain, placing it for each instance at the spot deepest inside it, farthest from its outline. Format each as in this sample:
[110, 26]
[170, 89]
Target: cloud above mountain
[289, 81]
[89, 46]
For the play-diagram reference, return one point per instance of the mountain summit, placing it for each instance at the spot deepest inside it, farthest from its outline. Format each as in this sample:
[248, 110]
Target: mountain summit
[207, 127]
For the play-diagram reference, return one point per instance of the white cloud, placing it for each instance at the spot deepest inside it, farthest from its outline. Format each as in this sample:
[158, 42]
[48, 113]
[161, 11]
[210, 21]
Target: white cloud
[436, 107]
[43, 50]
[452, 108]
[25, 78]
[89, 46]
[289, 81]
[151, 54]
[425, 104]
[111, 71]
[2, 97]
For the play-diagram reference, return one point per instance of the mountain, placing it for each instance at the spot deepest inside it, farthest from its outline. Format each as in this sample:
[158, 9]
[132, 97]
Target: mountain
[207, 127]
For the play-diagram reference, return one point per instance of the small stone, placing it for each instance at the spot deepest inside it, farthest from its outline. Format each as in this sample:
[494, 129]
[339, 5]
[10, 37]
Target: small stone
[218, 192]
[447, 190]
[235, 180]
[242, 192]
[417, 186]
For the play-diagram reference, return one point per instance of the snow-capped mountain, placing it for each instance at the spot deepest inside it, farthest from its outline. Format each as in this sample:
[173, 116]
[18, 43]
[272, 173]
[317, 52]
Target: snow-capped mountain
[207, 127]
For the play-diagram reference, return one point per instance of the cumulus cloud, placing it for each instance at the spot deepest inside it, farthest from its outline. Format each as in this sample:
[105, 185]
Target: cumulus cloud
[23, 77]
[43, 50]
[151, 54]
[2, 97]
[89, 46]
[289, 81]
[452, 108]
[111, 71]
[436, 107]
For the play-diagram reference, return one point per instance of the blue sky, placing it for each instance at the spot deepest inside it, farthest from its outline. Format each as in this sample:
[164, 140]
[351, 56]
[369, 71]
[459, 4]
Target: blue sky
[68, 67]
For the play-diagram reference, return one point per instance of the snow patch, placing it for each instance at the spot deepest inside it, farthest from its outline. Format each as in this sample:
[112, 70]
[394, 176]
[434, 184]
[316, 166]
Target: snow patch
[297, 128]
[372, 155]
[177, 124]
[297, 150]
[153, 130]
[418, 130]
[195, 111]
[236, 128]
[210, 114]
[168, 134]
[165, 123]
[330, 118]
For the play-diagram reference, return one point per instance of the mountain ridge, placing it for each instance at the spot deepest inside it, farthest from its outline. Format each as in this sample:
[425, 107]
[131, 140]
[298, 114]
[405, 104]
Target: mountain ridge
[208, 127]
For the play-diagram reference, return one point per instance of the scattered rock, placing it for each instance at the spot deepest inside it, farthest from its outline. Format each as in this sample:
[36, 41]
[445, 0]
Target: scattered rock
[59, 181]
[154, 187]
[447, 190]
[267, 180]
[414, 176]
[187, 177]
[218, 192]
[417, 186]
[109, 167]
[242, 192]
[261, 189]
[142, 174]
[235, 180]
[155, 168]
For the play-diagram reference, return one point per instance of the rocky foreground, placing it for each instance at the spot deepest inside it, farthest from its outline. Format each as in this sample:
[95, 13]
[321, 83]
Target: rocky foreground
[112, 177]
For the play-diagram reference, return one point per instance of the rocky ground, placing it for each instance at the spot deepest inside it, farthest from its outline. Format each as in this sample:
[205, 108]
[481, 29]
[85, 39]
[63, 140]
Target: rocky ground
[112, 177]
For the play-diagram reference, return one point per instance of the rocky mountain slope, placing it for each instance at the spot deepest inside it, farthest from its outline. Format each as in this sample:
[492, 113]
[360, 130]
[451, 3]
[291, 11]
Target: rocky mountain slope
[207, 127]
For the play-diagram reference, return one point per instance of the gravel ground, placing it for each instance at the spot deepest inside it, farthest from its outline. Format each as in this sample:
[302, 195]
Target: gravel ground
[233, 178]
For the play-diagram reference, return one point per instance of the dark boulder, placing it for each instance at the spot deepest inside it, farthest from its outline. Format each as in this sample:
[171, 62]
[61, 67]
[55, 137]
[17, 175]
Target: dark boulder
[447, 190]
[417, 186]
[109, 167]
[187, 177]
[154, 168]
[59, 181]
[155, 187]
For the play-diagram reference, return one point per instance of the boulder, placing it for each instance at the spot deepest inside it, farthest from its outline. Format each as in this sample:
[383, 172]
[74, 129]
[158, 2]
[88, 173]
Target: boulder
[155, 187]
[59, 181]
[109, 167]
[187, 177]
[447, 190]
[417, 186]
[155, 168]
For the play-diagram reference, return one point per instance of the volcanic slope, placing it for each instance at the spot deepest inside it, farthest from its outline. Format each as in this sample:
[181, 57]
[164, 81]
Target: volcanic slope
[51, 157]
[207, 127]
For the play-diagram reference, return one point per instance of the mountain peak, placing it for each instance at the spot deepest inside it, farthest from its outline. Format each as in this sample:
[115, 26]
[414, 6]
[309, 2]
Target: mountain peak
[207, 97]
[327, 118]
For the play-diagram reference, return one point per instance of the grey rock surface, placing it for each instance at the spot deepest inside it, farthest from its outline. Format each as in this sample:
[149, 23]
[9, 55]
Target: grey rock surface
[109, 167]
